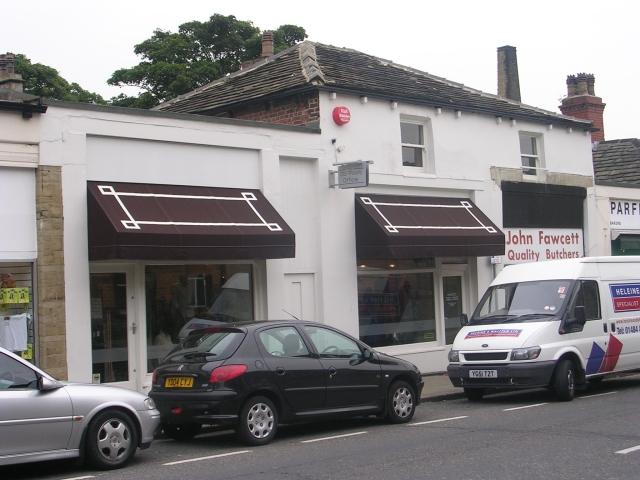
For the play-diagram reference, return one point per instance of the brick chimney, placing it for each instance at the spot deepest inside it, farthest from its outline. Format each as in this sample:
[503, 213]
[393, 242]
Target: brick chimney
[267, 44]
[581, 102]
[508, 79]
[10, 82]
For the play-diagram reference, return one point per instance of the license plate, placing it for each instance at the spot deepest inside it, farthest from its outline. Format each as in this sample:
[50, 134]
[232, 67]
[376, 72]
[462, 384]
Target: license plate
[178, 382]
[483, 373]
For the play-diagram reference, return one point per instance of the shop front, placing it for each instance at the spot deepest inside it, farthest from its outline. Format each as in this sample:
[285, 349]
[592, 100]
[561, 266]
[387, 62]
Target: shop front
[18, 326]
[416, 263]
[166, 259]
[542, 222]
[624, 225]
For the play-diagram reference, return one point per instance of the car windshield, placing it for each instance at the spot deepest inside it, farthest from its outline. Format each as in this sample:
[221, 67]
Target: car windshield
[522, 302]
[209, 344]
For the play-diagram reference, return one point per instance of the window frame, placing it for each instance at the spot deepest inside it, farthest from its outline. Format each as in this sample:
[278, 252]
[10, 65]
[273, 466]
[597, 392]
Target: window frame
[537, 157]
[415, 146]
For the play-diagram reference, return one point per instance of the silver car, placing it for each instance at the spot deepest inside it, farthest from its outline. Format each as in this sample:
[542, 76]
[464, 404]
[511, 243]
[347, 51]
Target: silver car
[42, 418]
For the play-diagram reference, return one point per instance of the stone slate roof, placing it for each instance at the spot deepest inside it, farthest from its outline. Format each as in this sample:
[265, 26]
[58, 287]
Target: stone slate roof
[617, 163]
[309, 65]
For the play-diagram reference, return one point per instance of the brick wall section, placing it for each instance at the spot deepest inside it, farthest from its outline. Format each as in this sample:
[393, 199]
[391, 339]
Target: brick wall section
[588, 108]
[50, 265]
[295, 110]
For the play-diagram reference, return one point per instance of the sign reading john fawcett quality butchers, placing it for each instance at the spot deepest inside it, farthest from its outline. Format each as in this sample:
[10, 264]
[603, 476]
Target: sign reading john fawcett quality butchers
[523, 245]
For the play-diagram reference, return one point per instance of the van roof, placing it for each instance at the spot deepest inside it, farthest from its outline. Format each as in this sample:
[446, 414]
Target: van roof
[559, 269]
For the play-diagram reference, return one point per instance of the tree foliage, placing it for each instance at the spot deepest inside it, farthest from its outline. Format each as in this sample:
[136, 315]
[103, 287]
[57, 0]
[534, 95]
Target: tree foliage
[199, 53]
[46, 82]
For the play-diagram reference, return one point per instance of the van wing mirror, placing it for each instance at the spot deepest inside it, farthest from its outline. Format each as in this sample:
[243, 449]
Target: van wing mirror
[580, 314]
[579, 318]
[464, 320]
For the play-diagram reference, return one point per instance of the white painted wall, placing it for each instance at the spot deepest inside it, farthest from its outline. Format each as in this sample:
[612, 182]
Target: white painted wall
[464, 149]
[98, 144]
[291, 169]
[19, 140]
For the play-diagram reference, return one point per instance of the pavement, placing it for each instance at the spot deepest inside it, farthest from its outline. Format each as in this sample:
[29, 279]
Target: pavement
[438, 387]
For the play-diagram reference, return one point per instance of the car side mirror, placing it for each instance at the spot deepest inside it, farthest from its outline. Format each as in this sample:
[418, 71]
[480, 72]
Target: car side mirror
[464, 320]
[367, 354]
[46, 384]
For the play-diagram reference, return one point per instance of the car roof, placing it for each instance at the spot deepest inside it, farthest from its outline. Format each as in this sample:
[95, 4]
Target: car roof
[255, 324]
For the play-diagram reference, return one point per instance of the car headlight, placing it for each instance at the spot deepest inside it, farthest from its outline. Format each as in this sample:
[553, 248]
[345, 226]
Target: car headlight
[454, 356]
[530, 353]
[148, 404]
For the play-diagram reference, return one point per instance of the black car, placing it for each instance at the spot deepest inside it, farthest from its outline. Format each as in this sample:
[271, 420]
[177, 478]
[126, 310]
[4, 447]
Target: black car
[255, 375]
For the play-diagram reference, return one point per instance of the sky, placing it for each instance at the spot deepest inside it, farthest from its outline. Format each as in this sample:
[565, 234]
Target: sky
[87, 40]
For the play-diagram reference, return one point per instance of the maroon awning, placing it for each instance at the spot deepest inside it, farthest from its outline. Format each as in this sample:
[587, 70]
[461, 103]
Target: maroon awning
[394, 226]
[133, 221]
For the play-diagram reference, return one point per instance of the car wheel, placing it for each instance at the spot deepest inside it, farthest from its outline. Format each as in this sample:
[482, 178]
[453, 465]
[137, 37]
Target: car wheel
[112, 439]
[400, 402]
[564, 380]
[258, 421]
[182, 432]
[473, 394]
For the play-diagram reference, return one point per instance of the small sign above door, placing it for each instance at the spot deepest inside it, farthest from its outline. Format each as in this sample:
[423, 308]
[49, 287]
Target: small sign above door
[350, 175]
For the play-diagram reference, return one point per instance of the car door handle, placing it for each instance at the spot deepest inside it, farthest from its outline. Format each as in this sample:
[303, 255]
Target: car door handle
[604, 327]
[332, 371]
[280, 371]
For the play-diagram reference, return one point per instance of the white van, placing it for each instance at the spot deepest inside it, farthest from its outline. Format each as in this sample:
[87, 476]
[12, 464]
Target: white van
[555, 324]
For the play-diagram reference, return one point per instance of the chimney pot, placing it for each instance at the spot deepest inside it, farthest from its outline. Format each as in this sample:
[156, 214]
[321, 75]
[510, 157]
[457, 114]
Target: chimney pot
[591, 81]
[267, 44]
[581, 102]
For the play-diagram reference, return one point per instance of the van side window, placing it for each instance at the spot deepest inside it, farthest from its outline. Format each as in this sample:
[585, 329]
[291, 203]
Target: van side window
[589, 297]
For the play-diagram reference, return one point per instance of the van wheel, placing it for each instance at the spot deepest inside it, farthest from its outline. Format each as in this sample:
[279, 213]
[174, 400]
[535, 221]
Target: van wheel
[564, 380]
[473, 394]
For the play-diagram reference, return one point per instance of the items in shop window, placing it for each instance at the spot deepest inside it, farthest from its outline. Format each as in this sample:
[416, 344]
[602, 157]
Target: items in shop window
[28, 353]
[162, 339]
[14, 295]
[7, 281]
[13, 332]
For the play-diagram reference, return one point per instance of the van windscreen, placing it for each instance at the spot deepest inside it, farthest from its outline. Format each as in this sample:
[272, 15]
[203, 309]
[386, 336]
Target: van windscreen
[522, 302]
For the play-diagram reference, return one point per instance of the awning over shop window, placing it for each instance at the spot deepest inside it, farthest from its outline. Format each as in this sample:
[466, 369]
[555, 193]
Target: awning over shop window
[133, 221]
[630, 242]
[393, 226]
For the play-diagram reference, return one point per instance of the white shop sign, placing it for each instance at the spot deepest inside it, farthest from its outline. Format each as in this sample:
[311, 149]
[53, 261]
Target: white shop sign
[524, 245]
[625, 214]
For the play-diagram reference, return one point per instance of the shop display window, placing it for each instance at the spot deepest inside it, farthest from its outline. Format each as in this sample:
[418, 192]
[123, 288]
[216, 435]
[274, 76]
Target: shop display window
[181, 298]
[396, 301]
[17, 326]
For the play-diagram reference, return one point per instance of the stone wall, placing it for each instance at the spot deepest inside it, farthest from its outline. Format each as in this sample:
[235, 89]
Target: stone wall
[50, 266]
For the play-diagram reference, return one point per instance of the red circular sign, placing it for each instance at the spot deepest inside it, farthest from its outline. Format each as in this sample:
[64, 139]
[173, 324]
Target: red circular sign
[341, 115]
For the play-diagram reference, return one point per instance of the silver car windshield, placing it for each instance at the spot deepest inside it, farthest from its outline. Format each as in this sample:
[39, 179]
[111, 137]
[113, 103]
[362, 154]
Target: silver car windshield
[522, 302]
